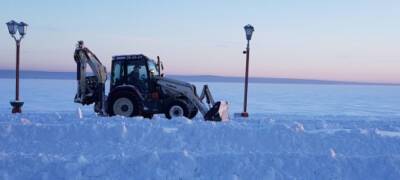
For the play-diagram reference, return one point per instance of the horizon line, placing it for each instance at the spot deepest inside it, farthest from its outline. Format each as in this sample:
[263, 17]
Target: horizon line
[236, 78]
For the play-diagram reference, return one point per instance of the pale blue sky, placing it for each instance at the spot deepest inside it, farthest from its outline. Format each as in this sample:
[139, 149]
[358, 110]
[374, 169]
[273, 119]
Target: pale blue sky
[354, 40]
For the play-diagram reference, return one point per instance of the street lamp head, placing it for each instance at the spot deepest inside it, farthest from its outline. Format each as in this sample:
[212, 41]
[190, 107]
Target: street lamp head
[249, 29]
[22, 28]
[12, 27]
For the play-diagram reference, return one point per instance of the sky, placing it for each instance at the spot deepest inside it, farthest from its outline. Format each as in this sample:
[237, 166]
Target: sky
[347, 40]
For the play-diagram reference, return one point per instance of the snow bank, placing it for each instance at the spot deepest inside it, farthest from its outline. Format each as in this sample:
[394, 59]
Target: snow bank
[66, 146]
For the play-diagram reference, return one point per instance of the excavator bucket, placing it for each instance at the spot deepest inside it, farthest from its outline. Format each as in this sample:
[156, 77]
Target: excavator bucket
[219, 112]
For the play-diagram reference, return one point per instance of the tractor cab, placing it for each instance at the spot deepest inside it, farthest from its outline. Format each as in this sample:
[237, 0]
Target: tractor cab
[137, 70]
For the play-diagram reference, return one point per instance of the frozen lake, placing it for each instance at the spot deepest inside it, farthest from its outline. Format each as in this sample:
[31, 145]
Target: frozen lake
[291, 99]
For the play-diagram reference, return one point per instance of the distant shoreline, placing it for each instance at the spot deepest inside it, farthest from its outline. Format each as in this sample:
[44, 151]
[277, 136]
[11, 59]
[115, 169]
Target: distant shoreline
[10, 74]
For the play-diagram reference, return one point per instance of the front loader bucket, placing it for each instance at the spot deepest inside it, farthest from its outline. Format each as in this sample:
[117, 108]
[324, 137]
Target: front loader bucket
[219, 112]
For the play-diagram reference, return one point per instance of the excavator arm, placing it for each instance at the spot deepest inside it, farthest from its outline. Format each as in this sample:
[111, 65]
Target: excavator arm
[91, 86]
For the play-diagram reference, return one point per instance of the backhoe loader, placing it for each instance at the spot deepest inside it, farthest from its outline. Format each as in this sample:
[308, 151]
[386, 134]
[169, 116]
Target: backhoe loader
[138, 88]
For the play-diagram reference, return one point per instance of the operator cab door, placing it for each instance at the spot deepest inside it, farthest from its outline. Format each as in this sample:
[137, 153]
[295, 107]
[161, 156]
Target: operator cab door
[137, 75]
[153, 74]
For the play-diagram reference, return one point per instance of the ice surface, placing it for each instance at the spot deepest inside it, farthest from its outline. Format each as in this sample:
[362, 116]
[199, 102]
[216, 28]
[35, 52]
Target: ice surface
[57, 96]
[294, 132]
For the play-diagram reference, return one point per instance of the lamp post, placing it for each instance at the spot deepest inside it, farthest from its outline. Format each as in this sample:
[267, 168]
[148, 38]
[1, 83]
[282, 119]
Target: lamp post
[249, 29]
[13, 27]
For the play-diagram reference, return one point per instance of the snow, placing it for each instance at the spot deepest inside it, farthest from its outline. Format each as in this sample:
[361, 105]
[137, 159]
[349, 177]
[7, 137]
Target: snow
[344, 135]
[388, 133]
[333, 153]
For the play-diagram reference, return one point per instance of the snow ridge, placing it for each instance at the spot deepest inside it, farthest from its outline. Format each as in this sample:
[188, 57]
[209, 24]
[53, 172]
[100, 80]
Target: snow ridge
[71, 146]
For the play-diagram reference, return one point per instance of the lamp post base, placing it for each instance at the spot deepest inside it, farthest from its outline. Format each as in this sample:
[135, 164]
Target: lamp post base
[242, 114]
[16, 106]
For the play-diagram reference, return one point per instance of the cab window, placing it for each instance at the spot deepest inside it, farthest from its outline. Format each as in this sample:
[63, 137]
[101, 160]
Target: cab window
[153, 69]
[117, 74]
[137, 75]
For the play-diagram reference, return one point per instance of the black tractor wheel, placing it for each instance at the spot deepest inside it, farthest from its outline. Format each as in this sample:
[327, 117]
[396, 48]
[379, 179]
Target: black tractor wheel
[177, 109]
[124, 104]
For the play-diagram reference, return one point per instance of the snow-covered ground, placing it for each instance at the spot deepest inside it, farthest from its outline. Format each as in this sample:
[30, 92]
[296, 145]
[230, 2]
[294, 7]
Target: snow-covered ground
[295, 132]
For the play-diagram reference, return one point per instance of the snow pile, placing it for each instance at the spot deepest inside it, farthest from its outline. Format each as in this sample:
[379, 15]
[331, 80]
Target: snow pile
[69, 146]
